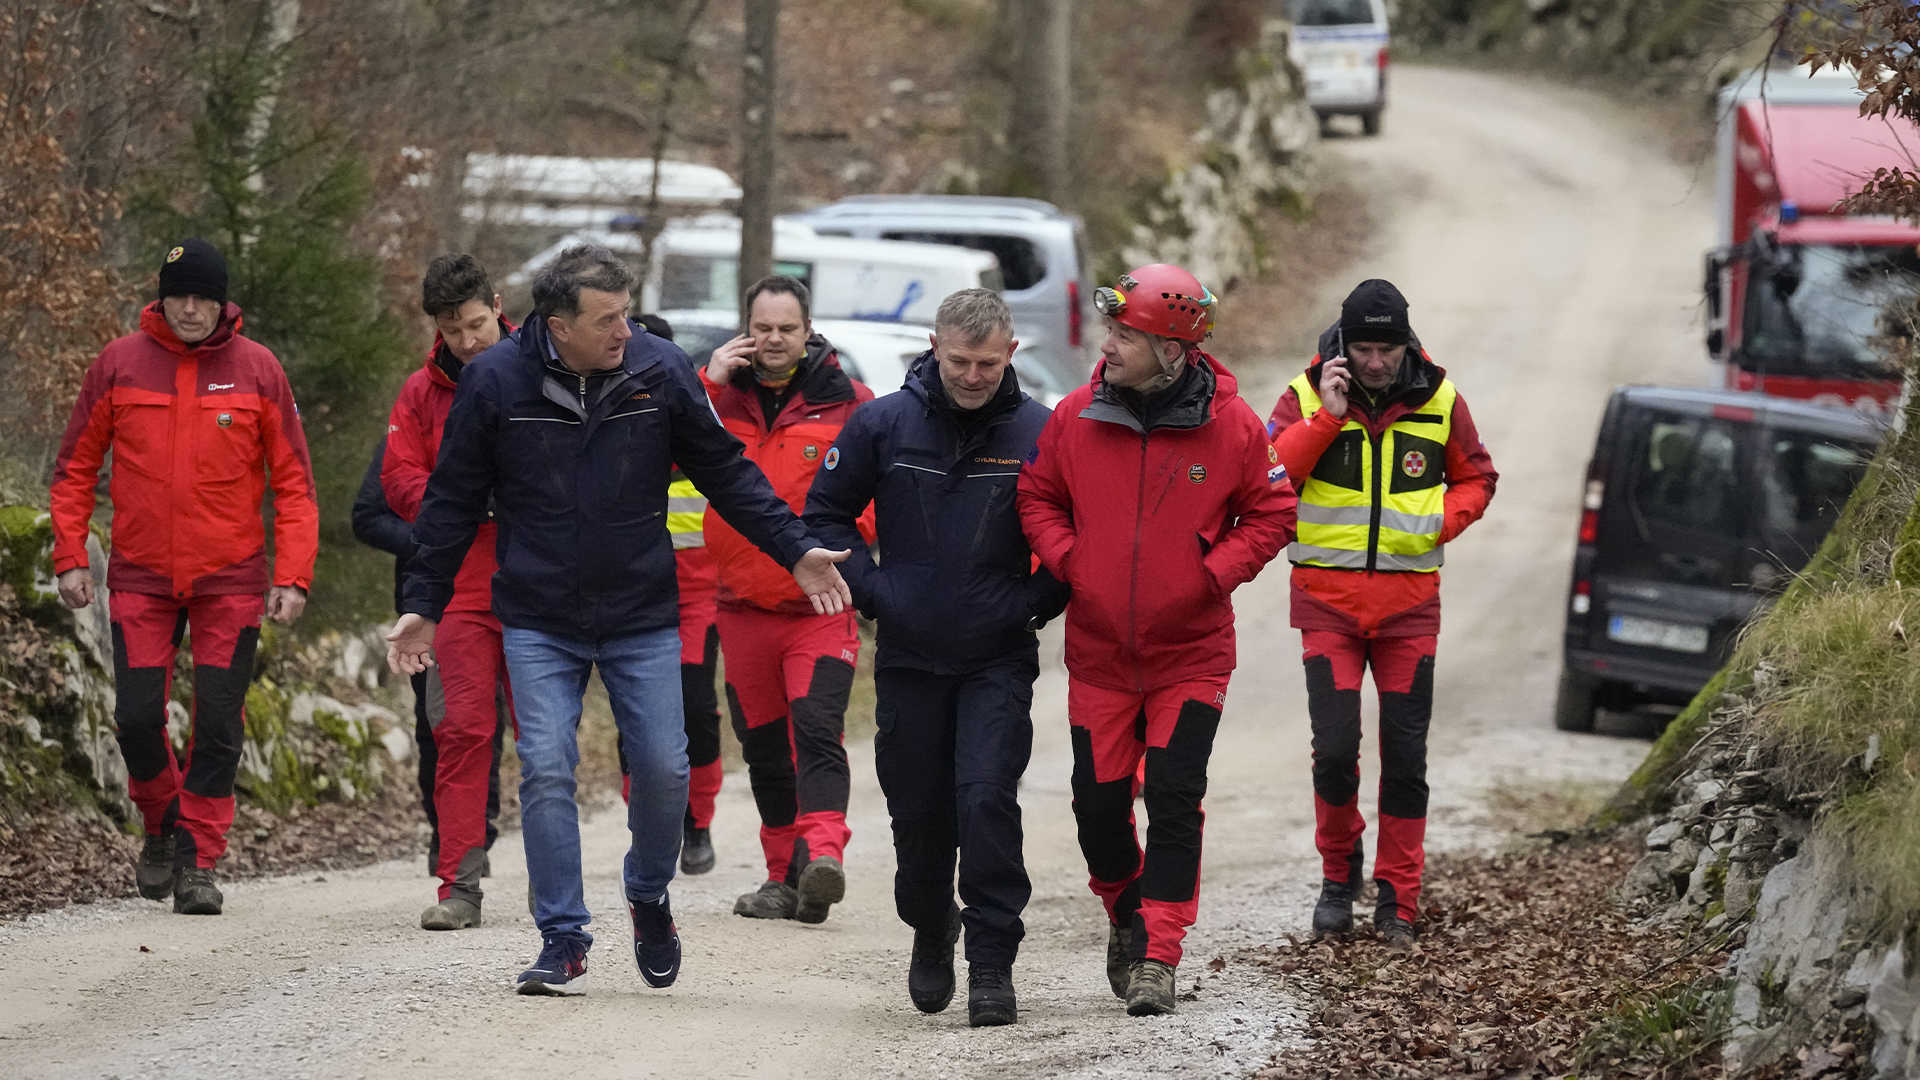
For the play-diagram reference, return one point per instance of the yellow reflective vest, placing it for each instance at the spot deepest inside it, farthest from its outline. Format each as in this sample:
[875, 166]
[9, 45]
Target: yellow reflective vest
[686, 510]
[1377, 502]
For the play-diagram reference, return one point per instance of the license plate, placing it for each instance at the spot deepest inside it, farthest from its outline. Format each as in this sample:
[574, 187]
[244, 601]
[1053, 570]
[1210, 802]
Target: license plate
[1657, 634]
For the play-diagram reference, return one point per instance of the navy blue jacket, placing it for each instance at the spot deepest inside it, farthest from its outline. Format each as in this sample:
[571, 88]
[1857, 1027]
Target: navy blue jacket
[955, 588]
[377, 526]
[577, 469]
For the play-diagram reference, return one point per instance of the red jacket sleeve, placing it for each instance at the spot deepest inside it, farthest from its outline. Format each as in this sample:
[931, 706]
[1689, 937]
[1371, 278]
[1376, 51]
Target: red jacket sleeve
[1300, 444]
[1261, 509]
[409, 459]
[1470, 474]
[1045, 502]
[76, 470]
[296, 511]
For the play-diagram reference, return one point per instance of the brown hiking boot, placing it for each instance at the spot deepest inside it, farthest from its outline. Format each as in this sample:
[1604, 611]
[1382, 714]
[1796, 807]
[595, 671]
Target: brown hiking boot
[453, 913]
[1150, 991]
[822, 884]
[154, 872]
[1119, 959]
[194, 892]
[772, 900]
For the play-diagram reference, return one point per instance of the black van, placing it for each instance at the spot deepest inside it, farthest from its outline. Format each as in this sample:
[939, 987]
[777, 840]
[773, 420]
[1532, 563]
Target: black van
[1700, 505]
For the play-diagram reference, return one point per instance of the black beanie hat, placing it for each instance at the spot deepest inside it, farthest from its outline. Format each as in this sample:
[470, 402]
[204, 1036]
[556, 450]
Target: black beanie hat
[1375, 311]
[195, 268]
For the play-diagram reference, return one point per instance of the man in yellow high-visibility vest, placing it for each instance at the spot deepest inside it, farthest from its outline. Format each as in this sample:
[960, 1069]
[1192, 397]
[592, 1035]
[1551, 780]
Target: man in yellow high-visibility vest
[1389, 468]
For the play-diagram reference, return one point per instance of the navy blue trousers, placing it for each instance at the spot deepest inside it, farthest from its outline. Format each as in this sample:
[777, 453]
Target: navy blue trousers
[950, 750]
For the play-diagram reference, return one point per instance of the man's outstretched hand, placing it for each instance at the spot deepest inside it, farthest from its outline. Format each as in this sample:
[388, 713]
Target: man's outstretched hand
[410, 645]
[820, 579]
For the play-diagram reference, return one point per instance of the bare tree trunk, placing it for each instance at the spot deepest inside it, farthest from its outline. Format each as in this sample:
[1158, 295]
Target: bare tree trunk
[757, 156]
[650, 223]
[1043, 57]
[283, 16]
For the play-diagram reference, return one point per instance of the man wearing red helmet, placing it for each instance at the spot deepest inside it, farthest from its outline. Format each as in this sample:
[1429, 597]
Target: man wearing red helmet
[1153, 492]
[1390, 468]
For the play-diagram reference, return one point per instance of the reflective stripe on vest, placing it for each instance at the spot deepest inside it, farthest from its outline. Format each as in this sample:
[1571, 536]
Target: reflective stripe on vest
[686, 510]
[1377, 502]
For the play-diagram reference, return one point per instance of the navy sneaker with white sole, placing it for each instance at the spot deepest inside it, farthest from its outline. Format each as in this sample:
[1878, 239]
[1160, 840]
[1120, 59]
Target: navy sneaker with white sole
[656, 941]
[561, 970]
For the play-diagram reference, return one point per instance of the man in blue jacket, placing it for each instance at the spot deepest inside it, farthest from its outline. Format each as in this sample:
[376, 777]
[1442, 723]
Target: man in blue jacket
[958, 601]
[569, 431]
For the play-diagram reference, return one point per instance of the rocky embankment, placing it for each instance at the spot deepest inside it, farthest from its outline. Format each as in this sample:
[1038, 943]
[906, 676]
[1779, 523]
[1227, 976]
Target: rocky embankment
[324, 739]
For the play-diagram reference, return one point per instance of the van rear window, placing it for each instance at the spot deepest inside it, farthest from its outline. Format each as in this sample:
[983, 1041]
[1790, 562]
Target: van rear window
[1022, 266]
[1331, 12]
[1688, 473]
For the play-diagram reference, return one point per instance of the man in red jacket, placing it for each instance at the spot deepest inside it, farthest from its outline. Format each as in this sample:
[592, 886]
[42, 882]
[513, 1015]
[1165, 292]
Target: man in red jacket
[197, 417]
[466, 313]
[1390, 468]
[780, 390]
[1154, 494]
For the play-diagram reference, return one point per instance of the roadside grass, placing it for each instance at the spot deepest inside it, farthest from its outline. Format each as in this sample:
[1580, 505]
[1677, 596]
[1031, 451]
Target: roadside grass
[1681, 1026]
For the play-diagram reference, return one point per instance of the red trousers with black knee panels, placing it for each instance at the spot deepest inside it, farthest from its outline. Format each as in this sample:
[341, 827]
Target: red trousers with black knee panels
[788, 679]
[1403, 677]
[196, 798]
[1168, 735]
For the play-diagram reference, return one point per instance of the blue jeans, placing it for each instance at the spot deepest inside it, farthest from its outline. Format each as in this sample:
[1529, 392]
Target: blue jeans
[642, 675]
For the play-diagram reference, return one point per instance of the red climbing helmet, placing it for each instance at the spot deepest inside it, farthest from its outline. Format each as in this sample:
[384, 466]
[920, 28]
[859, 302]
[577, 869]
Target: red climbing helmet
[1159, 299]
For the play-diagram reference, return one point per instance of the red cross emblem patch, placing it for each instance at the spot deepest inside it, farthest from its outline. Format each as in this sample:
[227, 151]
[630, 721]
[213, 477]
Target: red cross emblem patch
[1414, 463]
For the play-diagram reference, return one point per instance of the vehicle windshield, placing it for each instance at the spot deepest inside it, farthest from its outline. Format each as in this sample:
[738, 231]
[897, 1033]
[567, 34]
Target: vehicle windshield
[1815, 309]
[1331, 12]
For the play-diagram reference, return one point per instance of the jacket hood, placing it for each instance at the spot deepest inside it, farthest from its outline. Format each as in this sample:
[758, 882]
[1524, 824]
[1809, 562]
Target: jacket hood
[1419, 375]
[923, 381]
[821, 380]
[153, 321]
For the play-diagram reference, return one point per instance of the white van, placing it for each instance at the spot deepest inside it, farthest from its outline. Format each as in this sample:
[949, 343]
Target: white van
[696, 265]
[1341, 46]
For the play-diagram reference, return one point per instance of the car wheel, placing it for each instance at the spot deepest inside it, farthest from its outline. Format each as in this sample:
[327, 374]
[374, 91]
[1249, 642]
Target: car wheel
[1573, 706]
[1370, 122]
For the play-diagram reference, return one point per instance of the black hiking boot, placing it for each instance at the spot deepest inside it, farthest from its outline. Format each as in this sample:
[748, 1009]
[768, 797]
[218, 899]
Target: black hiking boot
[930, 975]
[154, 872]
[1119, 959]
[990, 1001]
[1398, 932]
[1150, 992]
[194, 892]
[1334, 913]
[696, 851]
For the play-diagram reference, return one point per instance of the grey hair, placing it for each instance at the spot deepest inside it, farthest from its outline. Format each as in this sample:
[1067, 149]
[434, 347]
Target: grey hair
[557, 285]
[974, 316]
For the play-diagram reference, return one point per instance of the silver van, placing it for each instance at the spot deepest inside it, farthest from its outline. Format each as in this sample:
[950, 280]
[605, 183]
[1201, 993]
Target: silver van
[1341, 46]
[1042, 253]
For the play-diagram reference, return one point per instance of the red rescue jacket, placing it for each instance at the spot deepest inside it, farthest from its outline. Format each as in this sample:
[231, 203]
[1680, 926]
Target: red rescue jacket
[1154, 523]
[1358, 602]
[195, 432]
[413, 445]
[789, 451]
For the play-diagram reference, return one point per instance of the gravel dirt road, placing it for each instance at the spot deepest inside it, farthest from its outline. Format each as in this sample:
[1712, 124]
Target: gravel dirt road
[1550, 249]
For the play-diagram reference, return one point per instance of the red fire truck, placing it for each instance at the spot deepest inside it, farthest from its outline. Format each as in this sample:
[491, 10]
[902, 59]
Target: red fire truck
[1796, 290]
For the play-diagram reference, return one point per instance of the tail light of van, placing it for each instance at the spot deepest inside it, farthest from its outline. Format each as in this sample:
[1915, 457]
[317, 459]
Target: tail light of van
[1382, 61]
[1582, 596]
[1074, 316]
[1590, 511]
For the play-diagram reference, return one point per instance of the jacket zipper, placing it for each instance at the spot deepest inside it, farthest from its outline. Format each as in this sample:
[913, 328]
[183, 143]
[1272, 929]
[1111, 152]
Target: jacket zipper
[1373, 524]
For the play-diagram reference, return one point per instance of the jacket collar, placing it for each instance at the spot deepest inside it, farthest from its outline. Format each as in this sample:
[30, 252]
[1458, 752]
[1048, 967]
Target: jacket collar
[153, 321]
[1189, 403]
[642, 353]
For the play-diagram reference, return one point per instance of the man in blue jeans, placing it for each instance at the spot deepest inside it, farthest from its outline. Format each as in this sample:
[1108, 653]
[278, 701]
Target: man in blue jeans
[567, 434]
